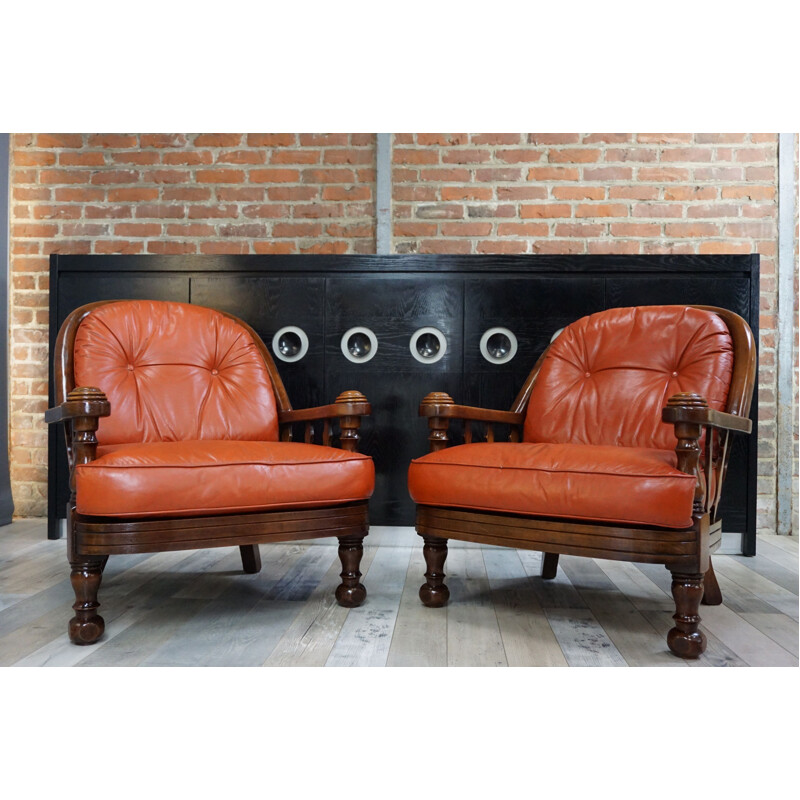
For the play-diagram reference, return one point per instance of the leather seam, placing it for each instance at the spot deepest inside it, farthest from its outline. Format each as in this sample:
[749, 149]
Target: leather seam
[549, 471]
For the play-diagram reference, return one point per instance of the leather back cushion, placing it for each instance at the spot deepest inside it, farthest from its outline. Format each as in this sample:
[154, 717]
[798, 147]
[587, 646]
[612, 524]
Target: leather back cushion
[607, 377]
[174, 372]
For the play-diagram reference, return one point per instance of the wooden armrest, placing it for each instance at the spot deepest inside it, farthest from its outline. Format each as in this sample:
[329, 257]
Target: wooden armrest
[83, 401]
[681, 408]
[439, 404]
[348, 404]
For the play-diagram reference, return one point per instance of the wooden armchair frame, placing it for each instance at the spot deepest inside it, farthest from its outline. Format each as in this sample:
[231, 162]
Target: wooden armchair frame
[685, 552]
[91, 540]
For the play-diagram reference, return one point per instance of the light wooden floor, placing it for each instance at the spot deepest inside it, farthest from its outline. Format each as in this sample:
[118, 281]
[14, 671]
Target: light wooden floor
[196, 608]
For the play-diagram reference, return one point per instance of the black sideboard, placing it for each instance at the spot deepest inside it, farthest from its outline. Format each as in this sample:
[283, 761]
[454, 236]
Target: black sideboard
[395, 295]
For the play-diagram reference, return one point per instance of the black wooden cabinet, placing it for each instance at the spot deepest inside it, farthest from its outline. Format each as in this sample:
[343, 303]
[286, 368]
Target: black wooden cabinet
[462, 297]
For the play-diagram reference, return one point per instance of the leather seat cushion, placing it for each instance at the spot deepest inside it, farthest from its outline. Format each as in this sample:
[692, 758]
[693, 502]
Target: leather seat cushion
[601, 483]
[193, 478]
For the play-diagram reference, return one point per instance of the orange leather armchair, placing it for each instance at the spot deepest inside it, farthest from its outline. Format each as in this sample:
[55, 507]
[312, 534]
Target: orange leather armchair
[618, 448]
[179, 437]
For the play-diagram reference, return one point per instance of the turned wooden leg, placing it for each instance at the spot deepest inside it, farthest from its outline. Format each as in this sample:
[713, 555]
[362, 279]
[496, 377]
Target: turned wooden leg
[712, 596]
[685, 640]
[433, 592]
[549, 565]
[350, 593]
[87, 626]
[251, 558]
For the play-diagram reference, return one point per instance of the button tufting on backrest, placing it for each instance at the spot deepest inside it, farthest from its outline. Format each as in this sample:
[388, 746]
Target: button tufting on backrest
[637, 359]
[174, 372]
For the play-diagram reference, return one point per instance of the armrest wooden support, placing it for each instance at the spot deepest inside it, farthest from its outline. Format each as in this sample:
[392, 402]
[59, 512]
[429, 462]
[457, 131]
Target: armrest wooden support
[83, 401]
[348, 409]
[439, 408]
[707, 417]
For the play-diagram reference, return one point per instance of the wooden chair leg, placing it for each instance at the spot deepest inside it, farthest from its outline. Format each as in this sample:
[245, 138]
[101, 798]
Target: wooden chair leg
[251, 558]
[712, 596]
[350, 593]
[433, 592]
[685, 640]
[549, 565]
[87, 626]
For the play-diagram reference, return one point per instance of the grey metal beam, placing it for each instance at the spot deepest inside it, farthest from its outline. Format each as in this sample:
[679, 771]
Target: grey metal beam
[785, 344]
[6, 502]
[383, 194]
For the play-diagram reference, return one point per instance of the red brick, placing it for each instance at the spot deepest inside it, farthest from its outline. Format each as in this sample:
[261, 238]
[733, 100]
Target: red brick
[328, 176]
[318, 210]
[90, 229]
[545, 210]
[455, 246]
[497, 174]
[519, 155]
[466, 156]
[25, 158]
[406, 175]
[495, 138]
[122, 247]
[250, 230]
[553, 174]
[346, 193]
[21, 212]
[171, 248]
[522, 229]
[664, 138]
[271, 139]
[218, 140]
[294, 192]
[760, 174]
[717, 174]
[506, 246]
[705, 210]
[721, 248]
[451, 211]
[558, 246]
[266, 211]
[56, 176]
[719, 138]
[701, 154]
[358, 231]
[411, 155]
[107, 212]
[554, 138]
[56, 212]
[295, 157]
[336, 248]
[445, 175]
[30, 231]
[414, 229]
[607, 138]
[294, 229]
[220, 176]
[112, 140]
[26, 176]
[613, 247]
[466, 228]
[34, 193]
[212, 212]
[442, 139]
[114, 176]
[635, 229]
[749, 192]
[573, 156]
[139, 157]
[633, 192]
[661, 174]
[757, 138]
[656, 210]
[579, 193]
[764, 210]
[756, 154]
[227, 247]
[274, 176]
[464, 193]
[324, 139]
[160, 211]
[362, 139]
[189, 158]
[350, 156]
[402, 138]
[196, 194]
[194, 230]
[640, 154]
[752, 230]
[580, 229]
[695, 229]
[163, 140]
[601, 210]
[414, 192]
[59, 140]
[166, 176]
[134, 195]
[81, 159]
[274, 247]
[690, 193]
[144, 229]
[522, 192]
[365, 175]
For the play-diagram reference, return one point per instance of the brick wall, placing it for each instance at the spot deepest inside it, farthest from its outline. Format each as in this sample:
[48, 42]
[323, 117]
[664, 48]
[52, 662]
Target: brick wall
[311, 193]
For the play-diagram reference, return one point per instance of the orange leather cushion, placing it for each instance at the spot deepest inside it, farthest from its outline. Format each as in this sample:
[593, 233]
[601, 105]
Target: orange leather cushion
[173, 371]
[607, 377]
[214, 477]
[625, 485]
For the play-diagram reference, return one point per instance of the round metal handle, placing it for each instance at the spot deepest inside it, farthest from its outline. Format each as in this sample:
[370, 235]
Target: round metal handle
[428, 345]
[359, 345]
[290, 343]
[498, 345]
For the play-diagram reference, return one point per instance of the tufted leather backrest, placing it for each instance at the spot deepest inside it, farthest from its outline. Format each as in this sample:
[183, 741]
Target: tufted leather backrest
[607, 377]
[174, 372]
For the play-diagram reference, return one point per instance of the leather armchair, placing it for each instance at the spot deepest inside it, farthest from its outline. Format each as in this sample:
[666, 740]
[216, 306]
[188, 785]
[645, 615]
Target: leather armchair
[179, 436]
[618, 448]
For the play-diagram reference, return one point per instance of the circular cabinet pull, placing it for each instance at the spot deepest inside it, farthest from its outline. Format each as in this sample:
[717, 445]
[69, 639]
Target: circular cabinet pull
[498, 345]
[359, 345]
[428, 345]
[290, 343]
